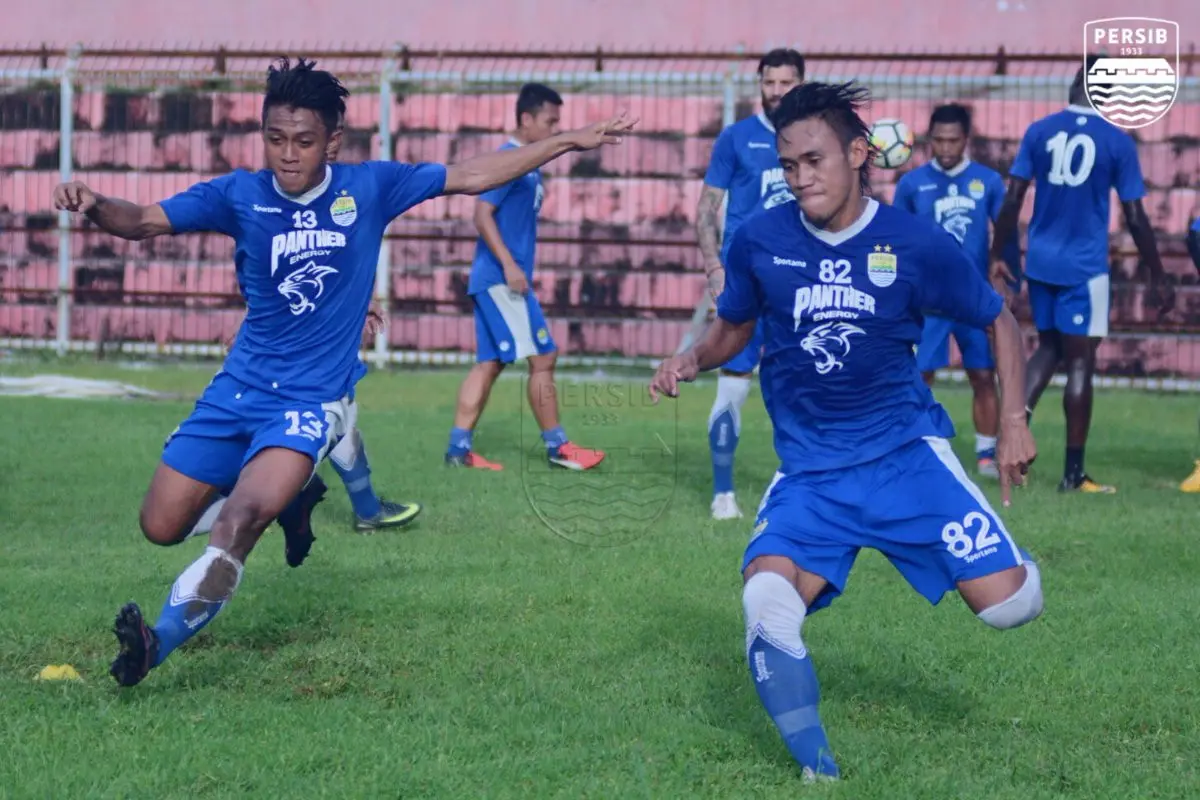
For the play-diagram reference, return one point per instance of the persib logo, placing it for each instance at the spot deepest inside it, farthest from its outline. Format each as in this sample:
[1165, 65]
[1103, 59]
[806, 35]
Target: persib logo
[1131, 68]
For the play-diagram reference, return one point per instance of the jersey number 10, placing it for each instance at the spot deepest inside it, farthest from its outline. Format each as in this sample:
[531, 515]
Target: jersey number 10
[1062, 148]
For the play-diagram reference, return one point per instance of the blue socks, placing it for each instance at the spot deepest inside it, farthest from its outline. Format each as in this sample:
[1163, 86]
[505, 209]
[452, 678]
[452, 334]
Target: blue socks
[723, 442]
[357, 478]
[724, 428]
[198, 594]
[460, 442]
[783, 673]
[554, 438]
[788, 689]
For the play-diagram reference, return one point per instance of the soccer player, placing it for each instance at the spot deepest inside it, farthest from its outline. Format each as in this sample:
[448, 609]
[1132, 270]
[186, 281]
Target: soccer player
[962, 197]
[745, 167]
[308, 235]
[349, 456]
[508, 318]
[1076, 158]
[841, 287]
[1191, 483]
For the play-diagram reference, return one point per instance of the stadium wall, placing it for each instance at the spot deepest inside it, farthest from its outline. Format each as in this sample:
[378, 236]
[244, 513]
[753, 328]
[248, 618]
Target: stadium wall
[619, 272]
[861, 25]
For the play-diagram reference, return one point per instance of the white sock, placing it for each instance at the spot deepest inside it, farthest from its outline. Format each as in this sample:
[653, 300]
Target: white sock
[207, 519]
[984, 443]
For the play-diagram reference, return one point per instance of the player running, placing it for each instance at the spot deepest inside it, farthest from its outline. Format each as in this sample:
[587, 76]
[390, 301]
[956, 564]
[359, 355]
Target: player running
[308, 235]
[745, 165]
[508, 318]
[841, 289]
[962, 196]
[1076, 158]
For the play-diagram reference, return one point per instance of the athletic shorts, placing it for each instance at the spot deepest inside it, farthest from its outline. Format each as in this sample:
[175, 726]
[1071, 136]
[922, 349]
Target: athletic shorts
[751, 355]
[509, 326]
[933, 353]
[232, 423]
[1080, 310]
[915, 505]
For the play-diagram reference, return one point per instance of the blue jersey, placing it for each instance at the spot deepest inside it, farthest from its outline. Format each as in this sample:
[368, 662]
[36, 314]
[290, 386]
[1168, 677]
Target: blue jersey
[517, 205]
[306, 266]
[841, 313]
[745, 163]
[962, 200]
[1076, 159]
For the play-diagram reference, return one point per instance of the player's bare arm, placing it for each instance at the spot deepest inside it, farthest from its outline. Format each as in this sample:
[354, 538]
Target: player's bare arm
[708, 236]
[485, 172]
[1142, 232]
[485, 223]
[1015, 449]
[721, 342]
[118, 217]
[1006, 228]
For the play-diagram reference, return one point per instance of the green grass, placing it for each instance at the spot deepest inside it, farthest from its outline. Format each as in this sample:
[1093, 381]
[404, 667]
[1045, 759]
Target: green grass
[482, 654]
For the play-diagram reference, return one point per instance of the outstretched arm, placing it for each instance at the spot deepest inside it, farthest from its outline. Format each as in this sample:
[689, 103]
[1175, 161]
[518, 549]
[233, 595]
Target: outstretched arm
[721, 342]
[490, 170]
[118, 217]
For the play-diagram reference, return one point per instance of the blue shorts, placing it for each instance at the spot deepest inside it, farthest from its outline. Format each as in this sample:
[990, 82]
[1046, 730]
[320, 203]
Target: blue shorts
[933, 353]
[1080, 310]
[748, 359]
[916, 506]
[509, 326]
[233, 422]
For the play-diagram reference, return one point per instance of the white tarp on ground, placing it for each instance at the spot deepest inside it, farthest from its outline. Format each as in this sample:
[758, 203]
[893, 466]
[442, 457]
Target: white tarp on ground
[78, 388]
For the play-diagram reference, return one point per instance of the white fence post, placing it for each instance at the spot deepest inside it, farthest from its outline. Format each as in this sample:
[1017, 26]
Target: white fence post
[66, 130]
[383, 269]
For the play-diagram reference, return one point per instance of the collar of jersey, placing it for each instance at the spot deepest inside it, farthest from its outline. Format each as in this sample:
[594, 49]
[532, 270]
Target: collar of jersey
[951, 173]
[1083, 110]
[848, 233]
[309, 196]
[766, 122]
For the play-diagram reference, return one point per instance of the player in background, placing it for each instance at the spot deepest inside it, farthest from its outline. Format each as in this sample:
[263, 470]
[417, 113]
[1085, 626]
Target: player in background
[308, 235]
[349, 456]
[963, 197]
[1191, 483]
[508, 317]
[744, 169]
[1076, 158]
[865, 460]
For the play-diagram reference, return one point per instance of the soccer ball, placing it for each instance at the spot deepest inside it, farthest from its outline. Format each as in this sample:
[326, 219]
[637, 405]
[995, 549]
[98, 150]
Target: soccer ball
[893, 142]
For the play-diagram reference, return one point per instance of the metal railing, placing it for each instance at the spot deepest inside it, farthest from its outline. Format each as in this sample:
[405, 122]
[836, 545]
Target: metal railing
[620, 270]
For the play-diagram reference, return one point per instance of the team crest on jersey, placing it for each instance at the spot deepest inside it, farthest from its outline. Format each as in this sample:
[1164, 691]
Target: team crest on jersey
[344, 211]
[881, 266]
[976, 189]
[829, 343]
[303, 287]
[1135, 80]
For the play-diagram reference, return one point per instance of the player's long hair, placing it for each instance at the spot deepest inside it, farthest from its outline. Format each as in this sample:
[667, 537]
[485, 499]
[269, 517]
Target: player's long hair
[303, 86]
[838, 105]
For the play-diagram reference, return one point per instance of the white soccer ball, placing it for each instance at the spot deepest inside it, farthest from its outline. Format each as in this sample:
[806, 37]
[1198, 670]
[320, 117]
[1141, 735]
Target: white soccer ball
[893, 143]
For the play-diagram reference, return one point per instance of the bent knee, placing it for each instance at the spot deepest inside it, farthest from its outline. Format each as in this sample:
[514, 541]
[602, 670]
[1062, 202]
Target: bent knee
[543, 362]
[1022, 606]
[159, 528]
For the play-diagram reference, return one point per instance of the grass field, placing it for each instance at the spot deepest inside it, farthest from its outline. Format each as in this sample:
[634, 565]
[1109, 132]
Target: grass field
[483, 654]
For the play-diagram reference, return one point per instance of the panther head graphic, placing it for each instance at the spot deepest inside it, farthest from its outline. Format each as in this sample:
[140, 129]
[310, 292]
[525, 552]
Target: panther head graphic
[829, 343]
[305, 285]
[956, 225]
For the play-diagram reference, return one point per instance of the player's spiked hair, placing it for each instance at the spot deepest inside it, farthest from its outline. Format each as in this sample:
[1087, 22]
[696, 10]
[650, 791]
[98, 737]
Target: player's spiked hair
[302, 86]
[783, 57]
[951, 114]
[835, 103]
[533, 96]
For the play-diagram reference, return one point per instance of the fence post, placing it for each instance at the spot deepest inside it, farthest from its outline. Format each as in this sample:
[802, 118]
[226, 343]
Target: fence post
[66, 131]
[383, 268]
